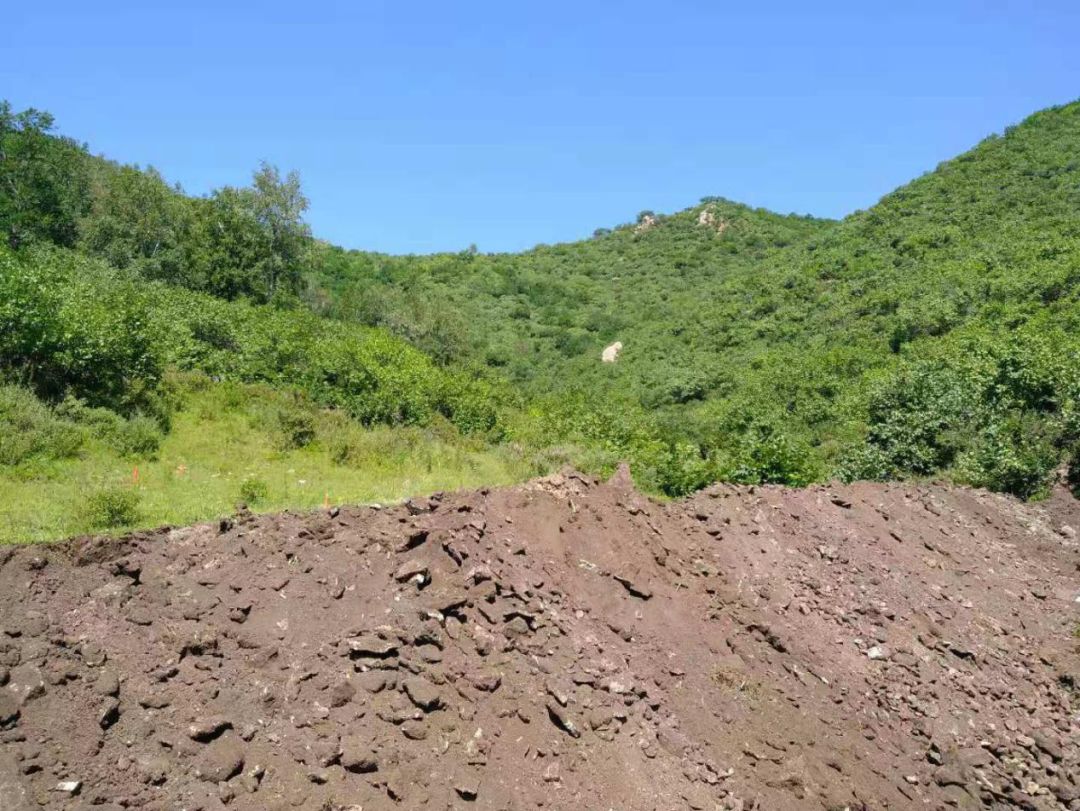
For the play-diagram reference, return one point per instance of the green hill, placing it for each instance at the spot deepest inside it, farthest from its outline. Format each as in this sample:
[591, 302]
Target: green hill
[935, 334]
[775, 346]
[142, 329]
[540, 314]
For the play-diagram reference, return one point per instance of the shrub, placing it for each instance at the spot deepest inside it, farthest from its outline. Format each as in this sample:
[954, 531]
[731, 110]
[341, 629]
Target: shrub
[70, 326]
[769, 456]
[1014, 456]
[995, 412]
[140, 436]
[29, 428]
[1072, 476]
[553, 458]
[682, 469]
[345, 450]
[294, 427]
[471, 406]
[253, 490]
[112, 507]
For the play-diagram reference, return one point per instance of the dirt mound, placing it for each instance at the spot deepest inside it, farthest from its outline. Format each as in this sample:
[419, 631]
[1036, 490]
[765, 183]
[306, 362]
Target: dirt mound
[561, 645]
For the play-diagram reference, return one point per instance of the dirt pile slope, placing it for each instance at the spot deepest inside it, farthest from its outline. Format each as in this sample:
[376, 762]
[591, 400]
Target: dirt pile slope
[560, 645]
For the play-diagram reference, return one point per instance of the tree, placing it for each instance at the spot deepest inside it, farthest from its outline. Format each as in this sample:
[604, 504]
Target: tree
[136, 220]
[43, 179]
[253, 241]
[279, 207]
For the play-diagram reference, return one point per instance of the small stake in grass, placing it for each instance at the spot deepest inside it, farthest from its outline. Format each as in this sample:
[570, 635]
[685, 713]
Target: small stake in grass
[326, 500]
[135, 475]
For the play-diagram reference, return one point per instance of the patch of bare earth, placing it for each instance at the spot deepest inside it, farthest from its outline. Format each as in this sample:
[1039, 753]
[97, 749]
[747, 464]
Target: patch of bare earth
[560, 645]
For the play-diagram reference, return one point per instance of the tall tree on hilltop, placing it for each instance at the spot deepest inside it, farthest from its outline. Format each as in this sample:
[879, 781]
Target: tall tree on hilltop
[253, 241]
[44, 188]
[279, 206]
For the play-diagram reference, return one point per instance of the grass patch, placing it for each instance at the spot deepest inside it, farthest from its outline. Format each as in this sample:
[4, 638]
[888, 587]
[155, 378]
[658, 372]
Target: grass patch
[221, 450]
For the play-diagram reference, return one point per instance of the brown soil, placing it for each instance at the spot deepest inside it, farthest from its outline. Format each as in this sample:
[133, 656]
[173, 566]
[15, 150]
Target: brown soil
[560, 645]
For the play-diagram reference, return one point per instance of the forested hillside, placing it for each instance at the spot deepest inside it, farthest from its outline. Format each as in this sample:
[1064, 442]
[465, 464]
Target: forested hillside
[935, 334]
[931, 333]
[532, 314]
[128, 308]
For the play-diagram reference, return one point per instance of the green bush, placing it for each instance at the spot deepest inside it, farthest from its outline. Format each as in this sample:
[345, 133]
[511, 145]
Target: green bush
[681, 469]
[253, 490]
[993, 411]
[30, 429]
[111, 507]
[140, 436]
[70, 326]
[768, 456]
[1072, 471]
[294, 427]
[345, 451]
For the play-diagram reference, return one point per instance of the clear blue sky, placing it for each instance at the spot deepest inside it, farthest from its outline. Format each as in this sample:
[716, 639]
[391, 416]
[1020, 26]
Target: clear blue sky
[420, 126]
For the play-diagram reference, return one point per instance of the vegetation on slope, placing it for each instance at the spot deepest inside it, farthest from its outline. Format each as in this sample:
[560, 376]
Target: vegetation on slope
[783, 349]
[68, 469]
[933, 335]
[236, 242]
[71, 326]
[111, 283]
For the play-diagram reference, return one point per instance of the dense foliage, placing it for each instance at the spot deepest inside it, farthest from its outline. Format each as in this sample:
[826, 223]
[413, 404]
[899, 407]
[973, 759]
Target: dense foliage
[996, 411]
[72, 326]
[43, 185]
[768, 348]
[931, 335]
[237, 242]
